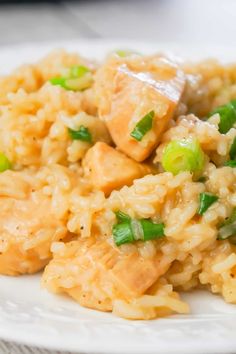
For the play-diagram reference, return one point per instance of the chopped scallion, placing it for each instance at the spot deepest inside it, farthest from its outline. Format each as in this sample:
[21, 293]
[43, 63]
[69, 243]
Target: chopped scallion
[76, 78]
[82, 133]
[233, 102]
[206, 200]
[78, 71]
[231, 163]
[122, 233]
[121, 217]
[4, 163]
[143, 126]
[183, 155]
[79, 84]
[129, 230]
[123, 53]
[227, 115]
[151, 231]
[58, 81]
[227, 230]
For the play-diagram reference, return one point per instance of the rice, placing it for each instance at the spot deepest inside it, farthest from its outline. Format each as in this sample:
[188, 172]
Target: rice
[29, 222]
[55, 215]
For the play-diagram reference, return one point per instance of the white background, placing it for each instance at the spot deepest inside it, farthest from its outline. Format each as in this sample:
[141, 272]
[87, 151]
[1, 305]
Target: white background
[195, 21]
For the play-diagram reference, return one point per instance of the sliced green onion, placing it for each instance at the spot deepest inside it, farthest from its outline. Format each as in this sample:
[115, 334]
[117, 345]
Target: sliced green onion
[81, 134]
[231, 163]
[122, 233]
[78, 71]
[227, 115]
[123, 53]
[227, 230]
[79, 84]
[183, 155]
[121, 217]
[137, 229]
[131, 230]
[233, 102]
[143, 126]
[76, 78]
[206, 200]
[232, 152]
[4, 163]
[58, 81]
[151, 231]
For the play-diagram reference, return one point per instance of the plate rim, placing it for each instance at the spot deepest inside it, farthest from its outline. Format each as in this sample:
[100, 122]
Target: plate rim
[221, 345]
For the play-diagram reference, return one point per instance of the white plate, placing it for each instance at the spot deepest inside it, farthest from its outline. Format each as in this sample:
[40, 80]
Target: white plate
[33, 316]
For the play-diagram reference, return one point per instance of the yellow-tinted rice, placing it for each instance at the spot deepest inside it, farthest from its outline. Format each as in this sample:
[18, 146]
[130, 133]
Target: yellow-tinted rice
[34, 121]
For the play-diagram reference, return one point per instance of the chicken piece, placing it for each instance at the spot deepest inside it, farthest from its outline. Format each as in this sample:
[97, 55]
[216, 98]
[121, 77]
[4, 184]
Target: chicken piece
[109, 169]
[27, 225]
[129, 88]
[95, 273]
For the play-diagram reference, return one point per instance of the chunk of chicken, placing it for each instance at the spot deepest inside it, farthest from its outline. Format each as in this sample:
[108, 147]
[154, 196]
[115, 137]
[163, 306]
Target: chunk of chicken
[129, 88]
[109, 169]
[95, 273]
[27, 225]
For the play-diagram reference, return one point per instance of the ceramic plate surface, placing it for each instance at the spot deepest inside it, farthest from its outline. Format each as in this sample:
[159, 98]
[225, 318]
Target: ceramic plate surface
[32, 316]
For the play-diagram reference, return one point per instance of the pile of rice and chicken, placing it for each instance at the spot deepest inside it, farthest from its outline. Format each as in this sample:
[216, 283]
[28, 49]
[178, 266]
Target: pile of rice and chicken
[118, 179]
